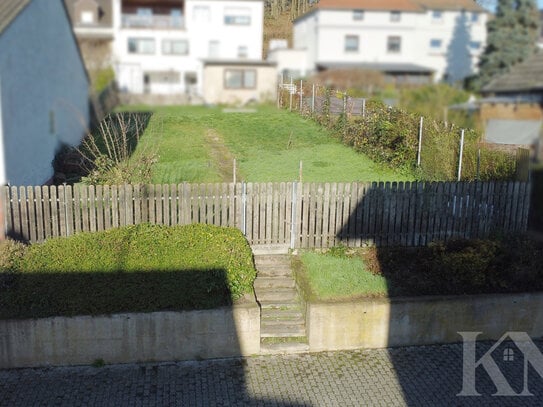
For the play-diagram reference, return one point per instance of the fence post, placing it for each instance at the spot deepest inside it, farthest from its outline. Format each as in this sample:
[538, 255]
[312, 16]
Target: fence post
[301, 95]
[290, 95]
[364, 108]
[420, 140]
[313, 99]
[478, 163]
[244, 208]
[344, 103]
[294, 215]
[460, 156]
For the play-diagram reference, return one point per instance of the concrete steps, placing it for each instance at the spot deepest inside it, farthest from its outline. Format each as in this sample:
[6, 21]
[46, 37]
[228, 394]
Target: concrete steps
[282, 321]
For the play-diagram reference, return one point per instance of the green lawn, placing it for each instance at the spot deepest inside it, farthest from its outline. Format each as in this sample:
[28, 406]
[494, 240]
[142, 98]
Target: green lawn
[198, 144]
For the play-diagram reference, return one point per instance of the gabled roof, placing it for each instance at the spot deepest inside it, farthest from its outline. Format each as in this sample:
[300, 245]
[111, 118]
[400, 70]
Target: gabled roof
[9, 10]
[392, 5]
[524, 77]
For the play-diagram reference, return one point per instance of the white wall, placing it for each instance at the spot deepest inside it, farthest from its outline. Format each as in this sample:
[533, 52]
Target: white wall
[42, 75]
[322, 34]
[199, 33]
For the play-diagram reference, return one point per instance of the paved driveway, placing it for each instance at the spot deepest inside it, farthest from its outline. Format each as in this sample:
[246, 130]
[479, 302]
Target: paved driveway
[413, 376]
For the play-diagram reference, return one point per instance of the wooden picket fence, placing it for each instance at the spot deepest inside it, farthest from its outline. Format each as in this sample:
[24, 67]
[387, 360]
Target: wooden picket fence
[286, 214]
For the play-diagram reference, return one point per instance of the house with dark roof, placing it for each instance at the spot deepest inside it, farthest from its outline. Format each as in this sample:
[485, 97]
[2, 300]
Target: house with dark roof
[410, 41]
[44, 96]
[512, 107]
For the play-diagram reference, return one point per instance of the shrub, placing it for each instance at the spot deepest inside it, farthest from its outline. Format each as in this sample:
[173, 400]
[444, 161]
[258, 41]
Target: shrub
[11, 253]
[139, 268]
[108, 152]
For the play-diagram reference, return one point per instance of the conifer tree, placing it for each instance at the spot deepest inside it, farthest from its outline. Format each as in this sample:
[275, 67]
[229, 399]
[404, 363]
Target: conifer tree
[511, 37]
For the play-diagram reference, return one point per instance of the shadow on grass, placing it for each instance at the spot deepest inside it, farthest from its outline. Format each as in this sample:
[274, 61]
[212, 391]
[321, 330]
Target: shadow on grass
[456, 267]
[535, 221]
[116, 136]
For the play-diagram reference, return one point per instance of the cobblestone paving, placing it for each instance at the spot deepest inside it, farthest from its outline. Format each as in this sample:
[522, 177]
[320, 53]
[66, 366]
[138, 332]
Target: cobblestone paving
[411, 376]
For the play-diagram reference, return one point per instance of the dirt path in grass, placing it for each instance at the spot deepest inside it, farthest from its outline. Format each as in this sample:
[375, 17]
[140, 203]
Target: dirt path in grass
[222, 158]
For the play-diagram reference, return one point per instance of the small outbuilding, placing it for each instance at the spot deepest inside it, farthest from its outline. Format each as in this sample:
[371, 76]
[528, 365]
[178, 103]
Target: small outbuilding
[238, 82]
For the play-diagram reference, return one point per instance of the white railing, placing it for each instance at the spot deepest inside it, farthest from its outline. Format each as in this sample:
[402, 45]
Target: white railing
[136, 21]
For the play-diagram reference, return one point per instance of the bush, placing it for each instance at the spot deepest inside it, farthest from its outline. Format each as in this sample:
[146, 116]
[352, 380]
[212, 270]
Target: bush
[461, 266]
[139, 268]
[108, 153]
[11, 253]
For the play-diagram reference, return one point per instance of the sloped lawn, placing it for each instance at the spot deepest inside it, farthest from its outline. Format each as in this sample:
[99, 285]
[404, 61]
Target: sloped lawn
[140, 268]
[198, 144]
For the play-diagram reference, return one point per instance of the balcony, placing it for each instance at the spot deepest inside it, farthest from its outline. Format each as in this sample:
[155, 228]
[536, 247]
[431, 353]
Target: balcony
[164, 22]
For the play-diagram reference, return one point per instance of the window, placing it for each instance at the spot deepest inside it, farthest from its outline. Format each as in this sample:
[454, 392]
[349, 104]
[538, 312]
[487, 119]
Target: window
[394, 44]
[240, 79]
[175, 47]
[475, 45]
[435, 44]
[351, 43]
[144, 12]
[243, 51]
[176, 17]
[437, 15]
[237, 16]
[395, 16]
[358, 15]
[141, 46]
[474, 17]
[201, 14]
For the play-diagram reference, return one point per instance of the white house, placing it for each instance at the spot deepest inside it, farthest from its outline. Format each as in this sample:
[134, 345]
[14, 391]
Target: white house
[44, 99]
[159, 46]
[405, 39]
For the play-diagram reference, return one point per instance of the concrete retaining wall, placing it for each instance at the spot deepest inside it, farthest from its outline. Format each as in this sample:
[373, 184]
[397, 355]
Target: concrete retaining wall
[125, 338]
[377, 323]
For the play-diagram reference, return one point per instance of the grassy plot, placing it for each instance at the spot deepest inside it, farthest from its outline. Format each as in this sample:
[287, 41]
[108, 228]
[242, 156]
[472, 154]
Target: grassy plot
[141, 268]
[198, 144]
[329, 277]
[509, 264]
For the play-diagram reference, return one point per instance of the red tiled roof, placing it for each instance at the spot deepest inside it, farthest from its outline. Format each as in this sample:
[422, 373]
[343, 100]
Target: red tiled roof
[396, 5]
[468, 5]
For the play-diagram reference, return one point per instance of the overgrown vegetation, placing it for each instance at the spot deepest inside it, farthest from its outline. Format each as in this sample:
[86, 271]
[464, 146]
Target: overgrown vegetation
[507, 265]
[107, 152]
[140, 268]
[390, 136]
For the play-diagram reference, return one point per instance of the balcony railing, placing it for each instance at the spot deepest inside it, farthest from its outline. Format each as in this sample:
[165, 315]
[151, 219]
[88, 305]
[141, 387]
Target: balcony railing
[154, 21]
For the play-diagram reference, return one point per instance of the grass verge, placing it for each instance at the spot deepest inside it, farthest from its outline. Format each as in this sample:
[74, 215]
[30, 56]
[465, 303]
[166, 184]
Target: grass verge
[506, 265]
[140, 268]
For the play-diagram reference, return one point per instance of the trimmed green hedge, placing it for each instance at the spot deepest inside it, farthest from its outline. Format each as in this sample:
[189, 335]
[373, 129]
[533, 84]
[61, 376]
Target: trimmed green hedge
[141, 268]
